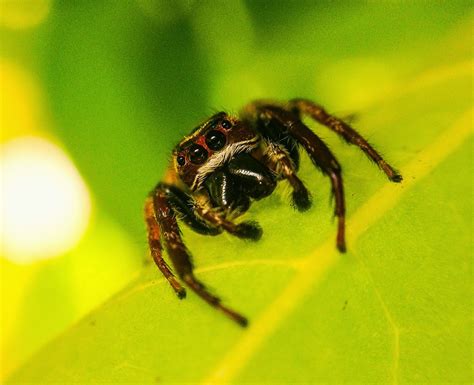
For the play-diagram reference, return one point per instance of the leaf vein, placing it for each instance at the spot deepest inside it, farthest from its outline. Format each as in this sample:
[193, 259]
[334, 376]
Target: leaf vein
[388, 316]
[324, 257]
[296, 264]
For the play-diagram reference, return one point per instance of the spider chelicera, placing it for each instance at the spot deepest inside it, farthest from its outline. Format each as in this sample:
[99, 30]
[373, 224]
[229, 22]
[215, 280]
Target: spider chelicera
[229, 161]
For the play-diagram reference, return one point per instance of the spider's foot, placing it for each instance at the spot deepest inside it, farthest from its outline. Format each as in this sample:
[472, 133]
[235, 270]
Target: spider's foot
[232, 314]
[249, 230]
[392, 174]
[301, 200]
[396, 177]
[178, 289]
[242, 321]
[341, 246]
[181, 293]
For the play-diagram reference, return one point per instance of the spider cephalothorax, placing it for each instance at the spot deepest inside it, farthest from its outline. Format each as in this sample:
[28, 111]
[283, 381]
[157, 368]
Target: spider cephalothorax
[226, 163]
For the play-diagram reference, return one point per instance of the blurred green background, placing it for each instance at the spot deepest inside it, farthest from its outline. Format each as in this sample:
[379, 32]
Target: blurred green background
[113, 85]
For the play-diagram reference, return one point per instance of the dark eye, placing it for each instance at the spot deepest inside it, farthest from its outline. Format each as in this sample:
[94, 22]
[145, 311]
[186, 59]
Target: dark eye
[215, 140]
[197, 154]
[226, 124]
[181, 160]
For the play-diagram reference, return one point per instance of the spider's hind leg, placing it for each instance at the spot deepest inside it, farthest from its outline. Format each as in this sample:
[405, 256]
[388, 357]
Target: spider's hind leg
[345, 130]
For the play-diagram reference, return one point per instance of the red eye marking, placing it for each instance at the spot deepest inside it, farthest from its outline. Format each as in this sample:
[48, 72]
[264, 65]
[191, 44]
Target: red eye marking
[202, 142]
[215, 138]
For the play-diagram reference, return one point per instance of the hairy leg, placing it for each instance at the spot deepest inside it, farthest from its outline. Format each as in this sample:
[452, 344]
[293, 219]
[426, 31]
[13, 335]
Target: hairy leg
[279, 160]
[184, 206]
[180, 256]
[343, 129]
[245, 230]
[156, 250]
[319, 154]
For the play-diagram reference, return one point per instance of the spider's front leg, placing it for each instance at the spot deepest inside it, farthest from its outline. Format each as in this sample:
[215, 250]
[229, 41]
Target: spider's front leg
[317, 150]
[161, 220]
[185, 207]
[246, 230]
[350, 135]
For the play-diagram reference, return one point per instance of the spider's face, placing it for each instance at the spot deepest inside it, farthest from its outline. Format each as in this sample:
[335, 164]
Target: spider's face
[210, 146]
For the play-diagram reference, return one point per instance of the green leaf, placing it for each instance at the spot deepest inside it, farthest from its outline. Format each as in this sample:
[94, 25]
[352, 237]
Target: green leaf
[396, 308]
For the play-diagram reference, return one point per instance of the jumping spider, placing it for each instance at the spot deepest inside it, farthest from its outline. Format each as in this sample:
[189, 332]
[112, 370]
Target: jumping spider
[229, 161]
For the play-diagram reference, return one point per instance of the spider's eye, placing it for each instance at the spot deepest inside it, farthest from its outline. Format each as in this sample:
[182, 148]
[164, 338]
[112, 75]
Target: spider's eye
[197, 154]
[226, 124]
[215, 140]
[181, 160]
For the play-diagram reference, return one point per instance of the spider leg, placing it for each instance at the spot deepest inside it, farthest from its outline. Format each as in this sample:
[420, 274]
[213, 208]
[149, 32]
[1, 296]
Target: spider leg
[246, 230]
[185, 206]
[164, 213]
[346, 131]
[281, 154]
[156, 249]
[320, 155]
[277, 159]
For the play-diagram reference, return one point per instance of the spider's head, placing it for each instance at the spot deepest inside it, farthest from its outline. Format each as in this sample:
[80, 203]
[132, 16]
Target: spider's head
[210, 146]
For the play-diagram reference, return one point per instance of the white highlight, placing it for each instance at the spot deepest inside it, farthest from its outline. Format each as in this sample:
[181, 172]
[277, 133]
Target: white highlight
[45, 204]
[222, 157]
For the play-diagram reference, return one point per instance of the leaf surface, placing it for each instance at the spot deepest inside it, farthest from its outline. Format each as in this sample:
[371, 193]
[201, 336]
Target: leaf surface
[396, 308]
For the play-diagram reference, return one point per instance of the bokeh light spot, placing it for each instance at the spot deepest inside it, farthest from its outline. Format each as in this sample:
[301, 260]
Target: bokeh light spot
[45, 203]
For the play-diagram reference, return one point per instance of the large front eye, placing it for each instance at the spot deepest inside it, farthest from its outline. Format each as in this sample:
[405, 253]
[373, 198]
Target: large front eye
[215, 140]
[197, 154]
